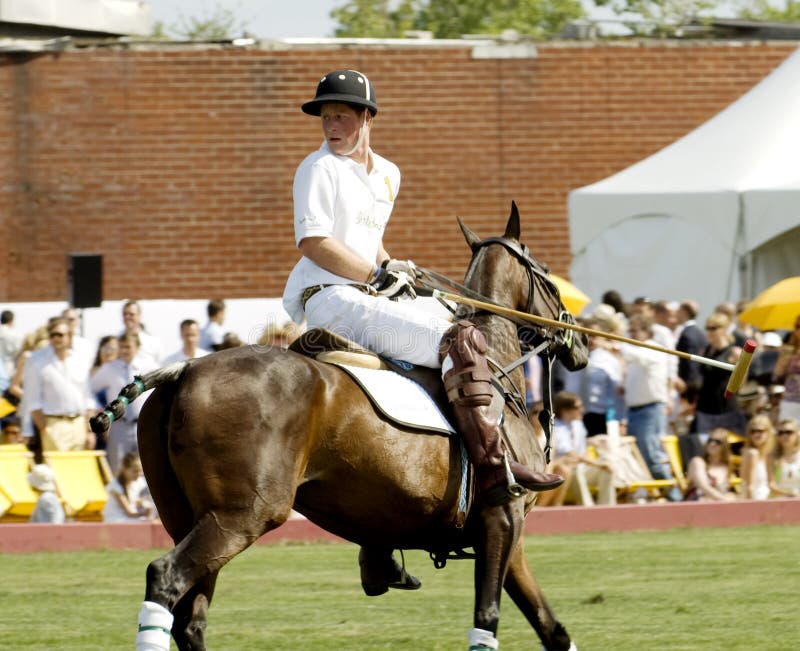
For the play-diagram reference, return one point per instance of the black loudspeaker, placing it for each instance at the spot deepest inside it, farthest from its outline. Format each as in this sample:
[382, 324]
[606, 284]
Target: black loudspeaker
[85, 280]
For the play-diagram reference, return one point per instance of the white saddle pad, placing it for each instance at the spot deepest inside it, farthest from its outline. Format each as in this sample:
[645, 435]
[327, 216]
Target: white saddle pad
[400, 399]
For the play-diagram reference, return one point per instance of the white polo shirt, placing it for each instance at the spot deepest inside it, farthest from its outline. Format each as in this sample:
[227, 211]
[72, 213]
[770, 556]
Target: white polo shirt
[55, 386]
[335, 197]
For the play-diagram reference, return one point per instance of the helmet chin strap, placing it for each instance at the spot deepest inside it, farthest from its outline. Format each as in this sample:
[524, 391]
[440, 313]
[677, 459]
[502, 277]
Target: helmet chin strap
[362, 131]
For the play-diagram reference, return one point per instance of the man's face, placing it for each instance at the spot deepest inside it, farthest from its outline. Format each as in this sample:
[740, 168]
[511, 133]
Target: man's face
[130, 316]
[190, 335]
[127, 351]
[73, 318]
[59, 337]
[340, 124]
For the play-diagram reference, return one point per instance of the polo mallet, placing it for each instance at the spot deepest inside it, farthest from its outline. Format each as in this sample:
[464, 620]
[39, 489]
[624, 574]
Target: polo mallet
[738, 370]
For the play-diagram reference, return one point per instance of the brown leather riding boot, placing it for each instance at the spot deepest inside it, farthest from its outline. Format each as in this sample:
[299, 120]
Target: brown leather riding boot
[477, 408]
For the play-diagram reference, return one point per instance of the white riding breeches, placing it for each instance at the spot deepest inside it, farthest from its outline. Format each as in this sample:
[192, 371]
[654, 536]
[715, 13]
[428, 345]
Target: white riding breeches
[396, 329]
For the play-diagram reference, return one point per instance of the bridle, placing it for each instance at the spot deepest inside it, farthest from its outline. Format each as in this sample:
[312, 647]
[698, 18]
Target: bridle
[536, 340]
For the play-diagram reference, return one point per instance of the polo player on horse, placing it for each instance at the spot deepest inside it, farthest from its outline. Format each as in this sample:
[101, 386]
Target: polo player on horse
[347, 283]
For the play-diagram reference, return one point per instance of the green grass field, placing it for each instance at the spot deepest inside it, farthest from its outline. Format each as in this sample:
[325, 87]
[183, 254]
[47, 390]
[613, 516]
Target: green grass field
[710, 589]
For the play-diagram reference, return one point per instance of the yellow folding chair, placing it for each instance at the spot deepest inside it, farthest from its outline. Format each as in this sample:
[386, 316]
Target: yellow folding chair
[17, 498]
[637, 475]
[81, 482]
[673, 450]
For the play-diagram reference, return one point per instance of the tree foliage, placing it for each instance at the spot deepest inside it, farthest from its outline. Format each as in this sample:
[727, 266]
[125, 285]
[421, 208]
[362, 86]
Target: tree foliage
[220, 24]
[764, 10]
[658, 17]
[454, 18]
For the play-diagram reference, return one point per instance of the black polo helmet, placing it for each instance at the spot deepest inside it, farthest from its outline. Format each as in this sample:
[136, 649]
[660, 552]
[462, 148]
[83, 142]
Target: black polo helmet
[345, 86]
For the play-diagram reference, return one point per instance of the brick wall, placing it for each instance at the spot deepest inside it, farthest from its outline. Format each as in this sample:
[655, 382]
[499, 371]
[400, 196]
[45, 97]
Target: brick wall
[177, 165]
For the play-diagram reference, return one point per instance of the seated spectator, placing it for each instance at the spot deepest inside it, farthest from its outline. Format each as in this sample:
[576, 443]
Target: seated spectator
[190, 336]
[570, 458]
[752, 399]
[126, 493]
[787, 373]
[12, 430]
[784, 461]
[709, 474]
[757, 445]
[775, 398]
[48, 508]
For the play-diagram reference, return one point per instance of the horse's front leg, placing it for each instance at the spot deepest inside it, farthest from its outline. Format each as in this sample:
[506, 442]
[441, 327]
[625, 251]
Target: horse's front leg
[524, 590]
[500, 532]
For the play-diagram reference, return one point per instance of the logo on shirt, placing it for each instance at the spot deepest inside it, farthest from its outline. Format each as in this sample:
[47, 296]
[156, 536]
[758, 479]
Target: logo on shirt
[370, 222]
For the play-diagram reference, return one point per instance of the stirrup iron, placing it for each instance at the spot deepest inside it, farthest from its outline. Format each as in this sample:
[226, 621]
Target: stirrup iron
[514, 489]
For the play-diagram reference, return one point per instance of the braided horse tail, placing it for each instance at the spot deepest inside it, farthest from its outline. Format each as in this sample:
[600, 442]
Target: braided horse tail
[116, 408]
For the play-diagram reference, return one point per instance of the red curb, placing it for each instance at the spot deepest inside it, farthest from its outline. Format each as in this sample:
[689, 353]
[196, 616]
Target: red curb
[77, 536]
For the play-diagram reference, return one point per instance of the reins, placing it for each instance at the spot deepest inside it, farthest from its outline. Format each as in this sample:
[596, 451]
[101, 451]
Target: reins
[432, 282]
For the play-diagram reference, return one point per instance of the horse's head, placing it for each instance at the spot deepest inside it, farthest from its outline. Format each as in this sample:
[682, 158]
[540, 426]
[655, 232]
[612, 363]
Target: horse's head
[504, 271]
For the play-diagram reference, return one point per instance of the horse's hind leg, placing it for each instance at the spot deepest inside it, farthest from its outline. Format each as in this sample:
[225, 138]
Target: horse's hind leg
[524, 590]
[214, 540]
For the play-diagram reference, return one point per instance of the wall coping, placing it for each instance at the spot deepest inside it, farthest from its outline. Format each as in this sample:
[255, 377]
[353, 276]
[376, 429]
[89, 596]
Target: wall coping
[79, 536]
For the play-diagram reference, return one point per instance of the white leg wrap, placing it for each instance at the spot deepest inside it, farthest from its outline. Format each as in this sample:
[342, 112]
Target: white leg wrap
[480, 640]
[572, 647]
[155, 624]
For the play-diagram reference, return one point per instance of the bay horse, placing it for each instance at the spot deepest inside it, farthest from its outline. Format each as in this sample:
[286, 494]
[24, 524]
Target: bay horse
[231, 442]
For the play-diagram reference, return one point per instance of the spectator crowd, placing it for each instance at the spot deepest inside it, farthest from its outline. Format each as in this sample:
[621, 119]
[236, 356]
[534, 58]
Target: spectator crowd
[53, 380]
[727, 446]
[744, 445]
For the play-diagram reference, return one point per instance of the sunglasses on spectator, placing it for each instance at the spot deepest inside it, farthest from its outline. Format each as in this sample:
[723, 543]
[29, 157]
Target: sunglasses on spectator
[58, 334]
[786, 432]
[757, 431]
[713, 327]
[715, 441]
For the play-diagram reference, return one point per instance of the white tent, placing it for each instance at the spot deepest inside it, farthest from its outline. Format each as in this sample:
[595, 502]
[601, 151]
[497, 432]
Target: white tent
[714, 216]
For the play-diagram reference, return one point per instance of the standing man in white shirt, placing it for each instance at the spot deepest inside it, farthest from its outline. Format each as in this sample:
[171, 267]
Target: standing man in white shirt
[149, 346]
[57, 393]
[190, 335]
[111, 378]
[212, 334]
[79, 343]
[647, 394]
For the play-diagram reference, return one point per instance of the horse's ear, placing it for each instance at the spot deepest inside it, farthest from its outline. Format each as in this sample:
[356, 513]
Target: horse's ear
[512, 227]
[472, 239]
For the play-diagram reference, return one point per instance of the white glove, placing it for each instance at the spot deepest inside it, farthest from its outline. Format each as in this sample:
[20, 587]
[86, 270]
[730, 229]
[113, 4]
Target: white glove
[393, 284]
[406, 266]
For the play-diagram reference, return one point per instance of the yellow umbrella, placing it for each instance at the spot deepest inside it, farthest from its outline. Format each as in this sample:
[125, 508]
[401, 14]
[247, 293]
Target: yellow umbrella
[572, 297]
[777, 307]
